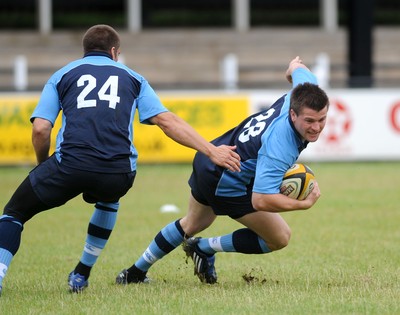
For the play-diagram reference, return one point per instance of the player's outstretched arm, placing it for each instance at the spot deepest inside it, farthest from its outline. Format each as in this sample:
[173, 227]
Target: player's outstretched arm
[180, 131]
[41, 132]
[293, 65]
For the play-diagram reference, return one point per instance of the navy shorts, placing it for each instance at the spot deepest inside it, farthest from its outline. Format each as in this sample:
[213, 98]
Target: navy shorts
[51, 184]
[204, 181]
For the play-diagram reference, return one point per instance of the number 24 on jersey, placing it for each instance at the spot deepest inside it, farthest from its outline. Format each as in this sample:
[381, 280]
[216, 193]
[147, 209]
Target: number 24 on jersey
[107, 92]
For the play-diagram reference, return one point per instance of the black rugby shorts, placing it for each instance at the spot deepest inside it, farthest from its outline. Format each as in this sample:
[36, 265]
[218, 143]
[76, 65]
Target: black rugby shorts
[51, 184]
[204, 181]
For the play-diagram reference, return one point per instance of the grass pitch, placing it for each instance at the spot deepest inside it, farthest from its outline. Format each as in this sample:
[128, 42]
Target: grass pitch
[343, 257]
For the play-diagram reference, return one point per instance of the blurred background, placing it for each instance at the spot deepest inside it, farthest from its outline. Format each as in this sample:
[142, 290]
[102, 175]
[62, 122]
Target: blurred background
[181, 44]
[226, 54]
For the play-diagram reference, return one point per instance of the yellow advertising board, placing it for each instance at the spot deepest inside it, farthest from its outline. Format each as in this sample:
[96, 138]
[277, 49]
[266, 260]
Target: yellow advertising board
[210, 115]
[15, 129]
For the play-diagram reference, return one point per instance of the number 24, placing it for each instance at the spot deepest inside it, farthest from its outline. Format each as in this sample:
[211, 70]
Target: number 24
[90, 83]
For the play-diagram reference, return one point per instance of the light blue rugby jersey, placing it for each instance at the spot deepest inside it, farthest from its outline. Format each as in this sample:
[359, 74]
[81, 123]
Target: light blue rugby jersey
[268, 145]
[98, 98]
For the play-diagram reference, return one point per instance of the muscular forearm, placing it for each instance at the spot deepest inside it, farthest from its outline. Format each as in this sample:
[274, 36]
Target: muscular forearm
[277, 203]
[281, 203]
[41, 149]
[181, 132]
[41, 132]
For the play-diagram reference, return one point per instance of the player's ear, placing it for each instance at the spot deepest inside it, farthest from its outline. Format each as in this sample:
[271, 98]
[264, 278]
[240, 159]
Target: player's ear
[114, 53]
[293, 115]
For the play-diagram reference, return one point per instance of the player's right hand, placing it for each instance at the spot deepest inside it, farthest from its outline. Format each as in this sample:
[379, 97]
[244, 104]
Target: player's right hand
[226, 157]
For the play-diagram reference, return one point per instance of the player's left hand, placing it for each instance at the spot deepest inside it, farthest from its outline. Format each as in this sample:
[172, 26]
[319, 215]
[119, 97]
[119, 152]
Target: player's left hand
[226, 157]
[314, 195]
[293, 65]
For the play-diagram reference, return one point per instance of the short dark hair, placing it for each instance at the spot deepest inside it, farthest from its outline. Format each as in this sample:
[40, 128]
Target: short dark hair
[100, 38]
[308, 95]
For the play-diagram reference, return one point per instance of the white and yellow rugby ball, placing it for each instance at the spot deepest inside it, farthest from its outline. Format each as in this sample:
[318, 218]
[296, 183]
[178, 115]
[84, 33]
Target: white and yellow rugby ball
[298, 182]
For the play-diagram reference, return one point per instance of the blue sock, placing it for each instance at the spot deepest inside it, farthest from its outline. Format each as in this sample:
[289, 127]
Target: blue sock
[5, 261]
[170, 237]
[10, 239]
[100, 227]
[241, 241]
[212, 245]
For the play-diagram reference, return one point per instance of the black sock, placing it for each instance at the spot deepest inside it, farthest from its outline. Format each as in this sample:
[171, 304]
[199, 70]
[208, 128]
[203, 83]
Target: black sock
[134, 273]
[246, 241]
[83, 270]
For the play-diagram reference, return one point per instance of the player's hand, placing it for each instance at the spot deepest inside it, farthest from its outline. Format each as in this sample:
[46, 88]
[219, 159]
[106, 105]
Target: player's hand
[314, 195]
[226, 157]
[293, 65]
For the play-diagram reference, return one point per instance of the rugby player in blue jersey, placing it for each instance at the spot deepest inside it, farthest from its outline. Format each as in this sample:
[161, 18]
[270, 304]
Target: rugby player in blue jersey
[95, 155]
[268, 143]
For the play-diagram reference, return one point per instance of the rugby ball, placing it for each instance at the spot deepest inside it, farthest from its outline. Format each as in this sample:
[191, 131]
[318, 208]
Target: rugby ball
[298, 182]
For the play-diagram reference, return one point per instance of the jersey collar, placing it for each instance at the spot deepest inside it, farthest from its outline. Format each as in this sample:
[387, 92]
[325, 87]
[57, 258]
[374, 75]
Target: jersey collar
[97, 53]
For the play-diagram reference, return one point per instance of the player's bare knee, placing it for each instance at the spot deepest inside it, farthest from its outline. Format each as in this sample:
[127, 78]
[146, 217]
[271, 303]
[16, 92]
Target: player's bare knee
[281, 240]
[190, 227]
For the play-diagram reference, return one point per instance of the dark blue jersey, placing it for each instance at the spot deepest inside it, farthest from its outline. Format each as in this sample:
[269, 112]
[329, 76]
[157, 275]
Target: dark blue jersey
[98, 98]
[268, 145]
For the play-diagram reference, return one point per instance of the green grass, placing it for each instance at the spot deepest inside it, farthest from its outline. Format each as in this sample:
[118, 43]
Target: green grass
[343, 257]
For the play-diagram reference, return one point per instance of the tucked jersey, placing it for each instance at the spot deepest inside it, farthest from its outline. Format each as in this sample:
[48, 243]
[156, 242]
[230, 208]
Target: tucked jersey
[98, 98]
[268, 145]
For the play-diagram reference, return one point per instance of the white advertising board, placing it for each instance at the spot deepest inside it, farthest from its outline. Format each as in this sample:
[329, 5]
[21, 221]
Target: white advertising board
[363, 124]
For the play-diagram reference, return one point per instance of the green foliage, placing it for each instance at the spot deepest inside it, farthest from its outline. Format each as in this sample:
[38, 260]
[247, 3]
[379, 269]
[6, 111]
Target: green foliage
[343, 257]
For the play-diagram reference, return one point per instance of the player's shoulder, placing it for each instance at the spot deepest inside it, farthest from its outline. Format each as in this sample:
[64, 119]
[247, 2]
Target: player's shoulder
[280, 135]
[65, 70]
[129, 71]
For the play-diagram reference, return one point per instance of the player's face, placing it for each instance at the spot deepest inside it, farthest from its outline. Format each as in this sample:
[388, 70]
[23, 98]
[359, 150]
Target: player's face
[309, 123]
